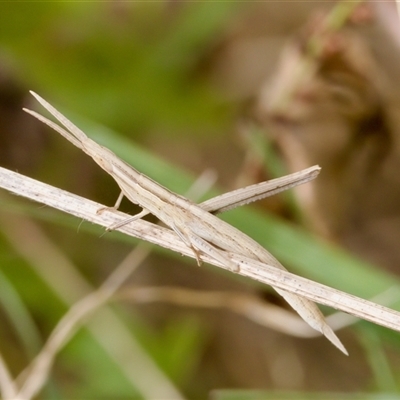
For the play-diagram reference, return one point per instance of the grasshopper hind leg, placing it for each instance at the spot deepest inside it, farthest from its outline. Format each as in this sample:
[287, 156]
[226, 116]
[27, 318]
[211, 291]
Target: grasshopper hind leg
[186, 238]
[200, 245]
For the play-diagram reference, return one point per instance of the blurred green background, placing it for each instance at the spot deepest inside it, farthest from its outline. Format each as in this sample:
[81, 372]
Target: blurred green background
[146, 71]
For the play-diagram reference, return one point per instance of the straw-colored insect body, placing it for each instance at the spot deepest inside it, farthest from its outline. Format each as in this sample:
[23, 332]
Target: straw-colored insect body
[195, 224]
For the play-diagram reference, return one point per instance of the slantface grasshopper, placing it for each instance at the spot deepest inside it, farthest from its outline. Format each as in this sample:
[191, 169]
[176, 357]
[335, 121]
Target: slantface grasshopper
[195, 224]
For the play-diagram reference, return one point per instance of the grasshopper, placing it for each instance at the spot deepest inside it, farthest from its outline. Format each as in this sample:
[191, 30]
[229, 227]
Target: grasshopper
[194, 224]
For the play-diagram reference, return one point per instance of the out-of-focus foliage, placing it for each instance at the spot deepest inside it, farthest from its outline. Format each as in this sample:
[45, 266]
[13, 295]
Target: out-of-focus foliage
[138, 68]
[125, 64]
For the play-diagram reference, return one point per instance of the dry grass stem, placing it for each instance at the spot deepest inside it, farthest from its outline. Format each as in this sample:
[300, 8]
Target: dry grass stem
[39, 369]
[86, 209]
[34, 377]
[7, 386]
[42, 255]
[249, 306]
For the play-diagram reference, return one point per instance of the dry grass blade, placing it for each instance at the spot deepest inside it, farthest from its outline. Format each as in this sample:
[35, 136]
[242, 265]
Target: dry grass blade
[8, 388]
[42, 255]
[86, 209]
[32, 379]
